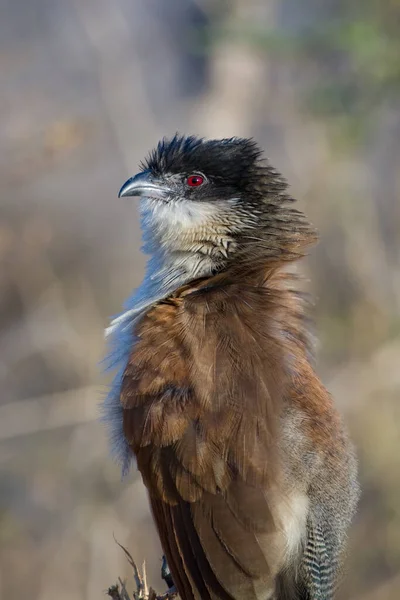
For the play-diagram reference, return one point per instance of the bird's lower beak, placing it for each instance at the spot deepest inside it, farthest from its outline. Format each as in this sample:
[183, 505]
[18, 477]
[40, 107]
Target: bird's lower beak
[144, 184]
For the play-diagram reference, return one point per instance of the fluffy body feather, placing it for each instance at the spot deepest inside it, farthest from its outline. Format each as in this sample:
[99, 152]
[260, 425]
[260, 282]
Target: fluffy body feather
[251, 477]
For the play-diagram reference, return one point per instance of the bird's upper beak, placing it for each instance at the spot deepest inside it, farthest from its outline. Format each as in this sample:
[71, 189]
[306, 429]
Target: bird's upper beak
[144, 184]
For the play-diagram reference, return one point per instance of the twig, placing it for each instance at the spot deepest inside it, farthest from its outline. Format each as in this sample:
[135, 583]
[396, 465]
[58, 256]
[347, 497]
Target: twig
[143, 591]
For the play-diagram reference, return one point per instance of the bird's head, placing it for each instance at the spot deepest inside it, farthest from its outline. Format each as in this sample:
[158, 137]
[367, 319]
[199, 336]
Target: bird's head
[215, 199]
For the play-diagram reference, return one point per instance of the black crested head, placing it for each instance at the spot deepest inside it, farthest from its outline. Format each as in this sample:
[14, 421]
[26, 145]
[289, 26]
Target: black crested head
[192, 168]
[218, 199]
[230, 166]
[224, 158]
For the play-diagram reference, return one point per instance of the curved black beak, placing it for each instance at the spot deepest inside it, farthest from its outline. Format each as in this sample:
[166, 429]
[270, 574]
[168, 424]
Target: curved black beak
[144, 184]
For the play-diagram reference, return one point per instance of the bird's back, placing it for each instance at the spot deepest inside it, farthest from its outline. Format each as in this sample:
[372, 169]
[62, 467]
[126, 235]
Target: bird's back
[221, 410]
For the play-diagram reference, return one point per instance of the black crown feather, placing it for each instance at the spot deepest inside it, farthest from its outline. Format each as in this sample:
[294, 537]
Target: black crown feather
[230, 160]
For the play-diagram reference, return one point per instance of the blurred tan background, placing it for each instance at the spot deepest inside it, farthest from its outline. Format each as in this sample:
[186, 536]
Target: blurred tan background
[87, 87]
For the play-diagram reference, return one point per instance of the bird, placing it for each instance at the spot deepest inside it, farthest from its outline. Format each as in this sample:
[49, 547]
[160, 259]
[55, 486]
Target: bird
[250, 472]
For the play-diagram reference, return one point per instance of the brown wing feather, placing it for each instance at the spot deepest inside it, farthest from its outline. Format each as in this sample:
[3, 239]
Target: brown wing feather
[226, 558]
[239, 542]
[202, 394]
[168, 538]
[183, 522]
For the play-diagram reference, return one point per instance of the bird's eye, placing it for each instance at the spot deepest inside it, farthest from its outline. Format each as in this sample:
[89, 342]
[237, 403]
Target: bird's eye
[194, 180]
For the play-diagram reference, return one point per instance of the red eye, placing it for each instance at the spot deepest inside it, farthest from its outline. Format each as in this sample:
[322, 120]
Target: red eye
[194, 180]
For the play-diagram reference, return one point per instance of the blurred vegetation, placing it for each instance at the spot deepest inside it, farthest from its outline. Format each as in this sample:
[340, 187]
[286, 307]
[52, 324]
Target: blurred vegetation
[87, 89]
[352, 52]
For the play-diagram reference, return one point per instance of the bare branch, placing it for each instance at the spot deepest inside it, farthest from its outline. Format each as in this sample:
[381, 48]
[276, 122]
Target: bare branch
[143, 591]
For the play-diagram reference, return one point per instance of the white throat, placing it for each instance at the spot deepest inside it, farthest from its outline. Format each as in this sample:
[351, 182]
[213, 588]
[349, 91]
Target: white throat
[185, 240]
[191, 237]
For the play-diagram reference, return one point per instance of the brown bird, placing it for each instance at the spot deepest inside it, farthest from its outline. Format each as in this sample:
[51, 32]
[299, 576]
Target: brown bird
[251, 476]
